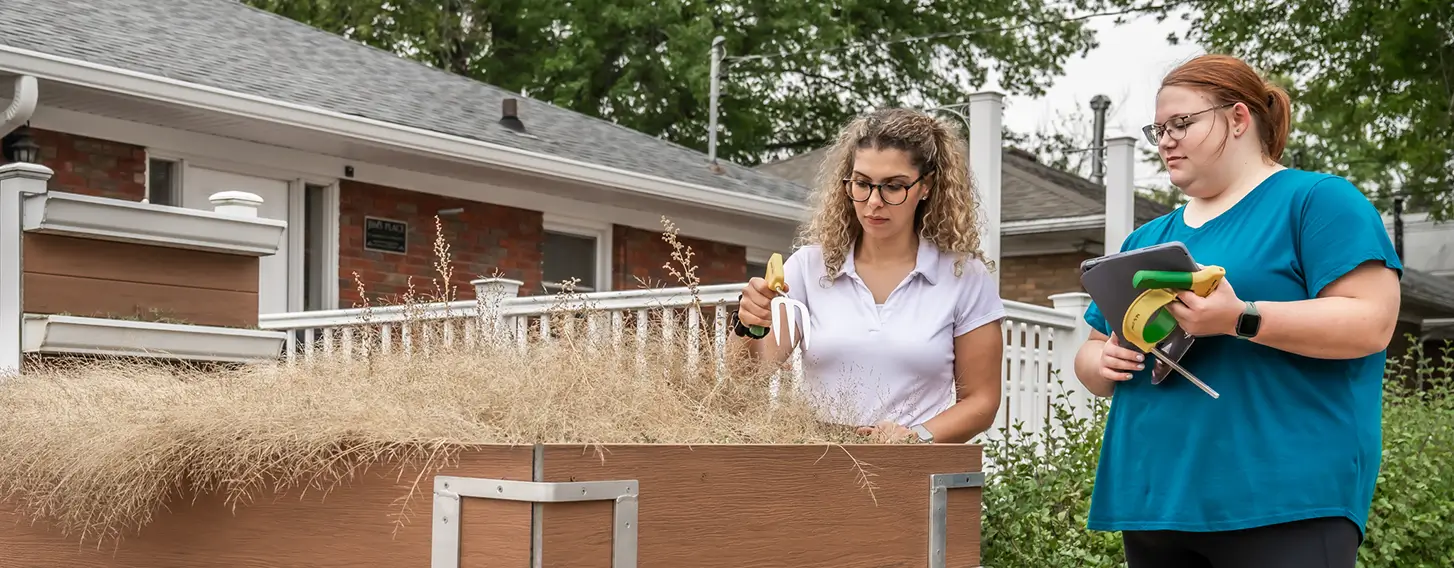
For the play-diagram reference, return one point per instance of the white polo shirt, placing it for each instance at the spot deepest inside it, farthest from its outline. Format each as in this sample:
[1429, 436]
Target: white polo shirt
[868, 362]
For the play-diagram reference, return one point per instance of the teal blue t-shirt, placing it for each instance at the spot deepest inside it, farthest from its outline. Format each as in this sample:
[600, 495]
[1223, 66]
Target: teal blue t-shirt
[1291, 437]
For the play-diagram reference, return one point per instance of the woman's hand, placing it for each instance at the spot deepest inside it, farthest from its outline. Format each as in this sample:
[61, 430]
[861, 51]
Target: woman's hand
[1117, 362]
[888, 432]
[1216, 314]
[756, 306]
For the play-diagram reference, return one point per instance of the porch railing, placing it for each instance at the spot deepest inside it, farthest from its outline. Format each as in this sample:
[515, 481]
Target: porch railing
[1040, 342]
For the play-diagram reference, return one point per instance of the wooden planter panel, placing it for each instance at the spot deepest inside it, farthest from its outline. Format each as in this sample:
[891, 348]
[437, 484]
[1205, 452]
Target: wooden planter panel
[95, 278]
[353, 526]
[764, 506]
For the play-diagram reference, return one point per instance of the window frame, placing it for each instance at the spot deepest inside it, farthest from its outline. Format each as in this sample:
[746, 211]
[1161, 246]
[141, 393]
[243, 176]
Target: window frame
[577, 227]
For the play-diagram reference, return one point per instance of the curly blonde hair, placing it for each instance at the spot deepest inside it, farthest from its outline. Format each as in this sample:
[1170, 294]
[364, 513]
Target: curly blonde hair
[949, 218]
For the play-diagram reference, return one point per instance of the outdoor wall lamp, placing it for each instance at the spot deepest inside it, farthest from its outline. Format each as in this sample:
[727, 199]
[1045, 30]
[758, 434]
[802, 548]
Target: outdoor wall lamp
[23, 148]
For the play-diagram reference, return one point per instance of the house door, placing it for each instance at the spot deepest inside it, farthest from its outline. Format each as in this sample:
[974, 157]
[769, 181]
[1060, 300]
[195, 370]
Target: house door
[273, 270]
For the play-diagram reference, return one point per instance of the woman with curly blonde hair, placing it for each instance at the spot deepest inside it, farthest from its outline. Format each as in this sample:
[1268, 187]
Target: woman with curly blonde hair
[904, 312]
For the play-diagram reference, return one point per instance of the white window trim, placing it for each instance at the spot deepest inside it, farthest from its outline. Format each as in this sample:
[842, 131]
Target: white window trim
[297, 211]
[178, 182]
[296, 207]
[599, 230]
[757, 256]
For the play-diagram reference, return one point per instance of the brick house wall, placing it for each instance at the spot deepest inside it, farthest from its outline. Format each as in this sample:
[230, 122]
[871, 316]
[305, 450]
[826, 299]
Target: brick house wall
[481, 239]
[1033, 279]
[643, 254]
[91, 166]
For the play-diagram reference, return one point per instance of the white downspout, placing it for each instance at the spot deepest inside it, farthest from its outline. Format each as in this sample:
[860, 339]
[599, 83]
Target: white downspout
[22, 105]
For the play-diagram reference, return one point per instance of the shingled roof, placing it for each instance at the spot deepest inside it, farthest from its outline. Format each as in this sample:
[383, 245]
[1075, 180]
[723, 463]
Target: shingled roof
[228, 45]
[1031, 190]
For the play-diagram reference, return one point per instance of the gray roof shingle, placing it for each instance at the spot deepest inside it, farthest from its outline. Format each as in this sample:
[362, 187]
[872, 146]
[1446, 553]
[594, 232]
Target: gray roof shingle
[229, 45]
[1031, 190]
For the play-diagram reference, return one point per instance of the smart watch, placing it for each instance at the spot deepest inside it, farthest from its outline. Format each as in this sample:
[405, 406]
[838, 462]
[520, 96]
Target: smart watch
[923, 433]
[1250, 322]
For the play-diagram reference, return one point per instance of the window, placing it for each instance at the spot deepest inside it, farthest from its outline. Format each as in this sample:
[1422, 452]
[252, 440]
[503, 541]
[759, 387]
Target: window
[755, 270]
[164, 182]
[570, 255]
[315, 233]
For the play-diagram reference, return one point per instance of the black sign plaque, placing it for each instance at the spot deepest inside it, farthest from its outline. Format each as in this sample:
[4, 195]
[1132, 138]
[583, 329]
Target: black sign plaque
[386, 235]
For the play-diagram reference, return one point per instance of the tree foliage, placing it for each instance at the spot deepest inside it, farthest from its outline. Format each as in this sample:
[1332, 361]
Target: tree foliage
[795, 70]
[1372, 85]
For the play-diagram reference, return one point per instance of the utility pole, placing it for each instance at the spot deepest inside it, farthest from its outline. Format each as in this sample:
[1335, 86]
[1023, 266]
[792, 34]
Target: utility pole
[1398, 226]
[717, 52]
[1099, 104]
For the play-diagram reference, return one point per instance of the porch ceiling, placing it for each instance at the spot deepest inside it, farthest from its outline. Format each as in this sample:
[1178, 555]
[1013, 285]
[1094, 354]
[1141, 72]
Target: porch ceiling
[224, 123]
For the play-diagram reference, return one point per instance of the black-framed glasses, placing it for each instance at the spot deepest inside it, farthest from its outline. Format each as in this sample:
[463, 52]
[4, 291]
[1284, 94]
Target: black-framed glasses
[1175, 126]
[892, 193]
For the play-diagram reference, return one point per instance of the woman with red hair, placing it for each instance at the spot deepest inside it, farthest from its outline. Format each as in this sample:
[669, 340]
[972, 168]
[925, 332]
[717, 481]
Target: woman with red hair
[1280, 470]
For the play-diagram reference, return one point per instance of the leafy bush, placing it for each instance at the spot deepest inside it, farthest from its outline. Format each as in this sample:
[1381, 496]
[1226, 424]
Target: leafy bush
[1412, 521]
[1037, 497]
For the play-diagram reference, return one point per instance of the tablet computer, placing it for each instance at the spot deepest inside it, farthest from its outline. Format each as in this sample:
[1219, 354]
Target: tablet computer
[1108, 281]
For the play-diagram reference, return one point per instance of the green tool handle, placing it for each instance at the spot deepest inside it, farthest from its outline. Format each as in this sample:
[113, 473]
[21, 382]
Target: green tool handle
[1202, 282]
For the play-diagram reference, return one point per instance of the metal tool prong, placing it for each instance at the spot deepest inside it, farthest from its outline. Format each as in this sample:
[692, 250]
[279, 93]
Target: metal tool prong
[791, 306]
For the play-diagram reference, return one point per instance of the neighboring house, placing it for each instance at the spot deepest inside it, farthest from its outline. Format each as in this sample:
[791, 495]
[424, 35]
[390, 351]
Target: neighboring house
[1051, 220]
[358, 149]
[1428, 285]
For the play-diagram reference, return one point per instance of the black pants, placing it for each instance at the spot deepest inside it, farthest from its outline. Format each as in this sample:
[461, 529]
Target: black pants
[1330, 542]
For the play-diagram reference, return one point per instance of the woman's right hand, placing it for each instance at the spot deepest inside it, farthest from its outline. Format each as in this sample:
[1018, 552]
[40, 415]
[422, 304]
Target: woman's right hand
[756, 306]
[1117, 362]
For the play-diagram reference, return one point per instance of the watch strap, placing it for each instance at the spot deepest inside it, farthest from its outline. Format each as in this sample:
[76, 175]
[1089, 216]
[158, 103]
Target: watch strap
[923, 433]
[1250, 322]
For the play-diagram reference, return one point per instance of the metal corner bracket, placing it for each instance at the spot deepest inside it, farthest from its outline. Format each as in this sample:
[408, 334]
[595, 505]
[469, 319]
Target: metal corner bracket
[939, 486]
[450, 491]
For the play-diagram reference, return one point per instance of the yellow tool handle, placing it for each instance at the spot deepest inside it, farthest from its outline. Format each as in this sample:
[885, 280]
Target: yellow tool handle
[775, 275]
[775, 278]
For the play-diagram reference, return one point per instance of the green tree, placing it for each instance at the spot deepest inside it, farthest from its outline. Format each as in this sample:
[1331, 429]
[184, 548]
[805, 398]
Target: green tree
[1372, 85]
[796, 70]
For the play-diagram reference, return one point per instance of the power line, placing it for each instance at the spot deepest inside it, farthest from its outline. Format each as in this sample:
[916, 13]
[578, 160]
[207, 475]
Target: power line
[942, 35]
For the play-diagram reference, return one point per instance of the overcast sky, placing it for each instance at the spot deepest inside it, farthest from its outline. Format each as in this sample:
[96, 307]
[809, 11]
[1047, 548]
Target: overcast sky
[1127, 67]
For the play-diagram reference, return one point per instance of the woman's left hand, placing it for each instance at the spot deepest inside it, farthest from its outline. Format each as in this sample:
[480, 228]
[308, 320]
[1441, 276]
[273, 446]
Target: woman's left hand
[1215, 314]
[888, 432]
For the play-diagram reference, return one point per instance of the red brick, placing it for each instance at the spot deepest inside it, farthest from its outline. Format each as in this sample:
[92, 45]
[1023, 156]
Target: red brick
[92, 166]
[1033, 279]
[483, 238]
[643, 254]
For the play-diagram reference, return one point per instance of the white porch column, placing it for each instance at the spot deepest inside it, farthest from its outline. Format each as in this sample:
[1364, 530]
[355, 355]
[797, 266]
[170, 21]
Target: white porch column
[490, 293]
[16, 181]
[236, 203]
[1067, 343]
[986, 141]
[1120, 191]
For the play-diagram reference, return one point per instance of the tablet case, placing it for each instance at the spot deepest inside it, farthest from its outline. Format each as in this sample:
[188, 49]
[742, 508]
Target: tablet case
[1108, 281]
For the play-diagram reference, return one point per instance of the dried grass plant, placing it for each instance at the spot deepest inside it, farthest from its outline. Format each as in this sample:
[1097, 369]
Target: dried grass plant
[96, 448]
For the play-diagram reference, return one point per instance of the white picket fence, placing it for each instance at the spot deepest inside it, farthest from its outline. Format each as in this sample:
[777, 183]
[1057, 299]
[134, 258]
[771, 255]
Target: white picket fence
[1038, 340]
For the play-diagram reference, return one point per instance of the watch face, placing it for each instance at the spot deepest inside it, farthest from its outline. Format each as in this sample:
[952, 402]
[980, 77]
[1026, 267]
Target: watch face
[1247, 324]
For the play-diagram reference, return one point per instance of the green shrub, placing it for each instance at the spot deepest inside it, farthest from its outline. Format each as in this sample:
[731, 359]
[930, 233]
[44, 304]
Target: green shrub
[1412, 521]
[1037, 497]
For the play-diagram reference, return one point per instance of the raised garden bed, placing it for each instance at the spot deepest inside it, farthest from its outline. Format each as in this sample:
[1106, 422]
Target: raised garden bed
[617, 506]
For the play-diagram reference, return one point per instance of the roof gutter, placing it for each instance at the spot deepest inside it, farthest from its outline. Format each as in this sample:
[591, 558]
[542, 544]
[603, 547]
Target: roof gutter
[1057, 224]
[22, 105]
[142, 85]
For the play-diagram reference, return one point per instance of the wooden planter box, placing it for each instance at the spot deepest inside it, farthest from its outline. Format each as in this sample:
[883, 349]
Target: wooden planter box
[105, 276]
[573, 506]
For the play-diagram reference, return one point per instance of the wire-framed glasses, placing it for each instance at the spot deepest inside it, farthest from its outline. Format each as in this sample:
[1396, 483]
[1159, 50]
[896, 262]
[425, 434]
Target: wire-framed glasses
[892, 193]
[1175, 126]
